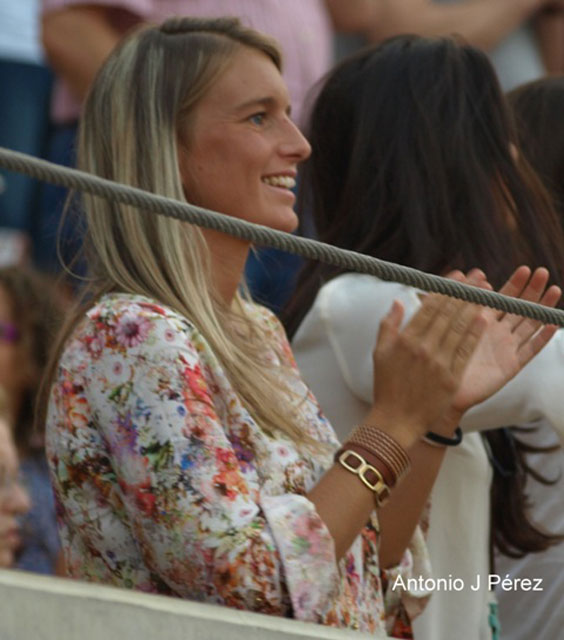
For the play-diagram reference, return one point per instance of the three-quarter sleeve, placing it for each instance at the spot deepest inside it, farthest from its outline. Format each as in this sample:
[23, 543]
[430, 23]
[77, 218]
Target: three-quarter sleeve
[205, 517]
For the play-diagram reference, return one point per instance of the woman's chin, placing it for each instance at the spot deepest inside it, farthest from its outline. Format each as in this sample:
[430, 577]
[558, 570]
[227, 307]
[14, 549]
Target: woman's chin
[287, 223]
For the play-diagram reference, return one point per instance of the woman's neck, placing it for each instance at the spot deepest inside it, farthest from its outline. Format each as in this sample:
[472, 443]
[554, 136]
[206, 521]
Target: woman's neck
[228, 257]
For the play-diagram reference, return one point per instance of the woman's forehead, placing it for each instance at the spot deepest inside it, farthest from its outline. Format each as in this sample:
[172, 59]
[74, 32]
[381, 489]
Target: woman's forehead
[250, 77]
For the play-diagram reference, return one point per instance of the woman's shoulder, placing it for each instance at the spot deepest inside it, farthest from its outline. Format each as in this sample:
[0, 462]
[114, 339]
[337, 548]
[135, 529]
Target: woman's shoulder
[120, 323]
[363, 289]
[112, 306]
[354, 298]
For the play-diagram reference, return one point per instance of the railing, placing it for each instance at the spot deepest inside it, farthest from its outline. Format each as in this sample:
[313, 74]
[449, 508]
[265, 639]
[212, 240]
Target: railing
[36, 607]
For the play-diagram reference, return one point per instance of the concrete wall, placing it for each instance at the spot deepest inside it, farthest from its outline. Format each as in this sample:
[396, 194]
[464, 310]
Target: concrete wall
[43, 608]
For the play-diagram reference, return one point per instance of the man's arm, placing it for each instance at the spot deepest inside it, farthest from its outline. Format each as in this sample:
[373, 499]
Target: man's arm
[550, 30]
[77, 40]
[482, 22]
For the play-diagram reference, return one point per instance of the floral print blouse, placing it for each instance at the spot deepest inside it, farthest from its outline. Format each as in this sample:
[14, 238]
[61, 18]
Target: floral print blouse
[164, 483]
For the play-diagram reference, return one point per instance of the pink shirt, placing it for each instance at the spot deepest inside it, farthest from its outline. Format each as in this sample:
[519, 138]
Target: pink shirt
[302, 27]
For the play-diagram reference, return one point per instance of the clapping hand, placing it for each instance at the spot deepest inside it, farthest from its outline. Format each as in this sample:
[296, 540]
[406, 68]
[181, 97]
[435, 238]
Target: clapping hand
[509, 342]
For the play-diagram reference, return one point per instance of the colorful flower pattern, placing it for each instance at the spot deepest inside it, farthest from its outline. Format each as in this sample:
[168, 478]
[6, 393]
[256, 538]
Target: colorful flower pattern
[164, 483]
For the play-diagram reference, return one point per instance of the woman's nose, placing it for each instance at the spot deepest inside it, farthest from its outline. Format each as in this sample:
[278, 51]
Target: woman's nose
[295, 144]
[19, 501]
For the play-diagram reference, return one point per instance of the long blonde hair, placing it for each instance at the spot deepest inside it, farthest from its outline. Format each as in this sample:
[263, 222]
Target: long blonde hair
[141, 100]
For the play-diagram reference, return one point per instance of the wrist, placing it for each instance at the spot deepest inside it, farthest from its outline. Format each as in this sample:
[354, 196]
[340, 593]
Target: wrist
[405, 431]
[447, 423]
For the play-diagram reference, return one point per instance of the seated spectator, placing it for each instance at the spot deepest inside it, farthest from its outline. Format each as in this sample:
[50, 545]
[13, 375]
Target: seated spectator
[14, 500]
[538, 108]
[418, 170]
[25, 87]
[30, 312]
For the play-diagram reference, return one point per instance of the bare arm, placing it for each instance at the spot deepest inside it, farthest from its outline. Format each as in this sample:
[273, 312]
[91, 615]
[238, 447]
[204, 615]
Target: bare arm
[482, 22]
[550, 29]
[416, 374]
[354, 16]
[77, 41]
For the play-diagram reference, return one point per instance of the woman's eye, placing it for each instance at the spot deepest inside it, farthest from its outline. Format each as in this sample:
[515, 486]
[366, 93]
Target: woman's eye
[257, 118]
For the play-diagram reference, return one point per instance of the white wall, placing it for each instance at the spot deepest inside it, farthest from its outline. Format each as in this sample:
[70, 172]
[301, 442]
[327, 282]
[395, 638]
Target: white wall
[42, 608]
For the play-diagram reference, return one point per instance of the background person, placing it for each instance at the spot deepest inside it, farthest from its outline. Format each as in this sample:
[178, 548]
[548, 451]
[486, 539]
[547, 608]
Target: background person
[30, 316]
[523, 37]
[418, 171]
[538, 108]
[14, 501]
[25, 85]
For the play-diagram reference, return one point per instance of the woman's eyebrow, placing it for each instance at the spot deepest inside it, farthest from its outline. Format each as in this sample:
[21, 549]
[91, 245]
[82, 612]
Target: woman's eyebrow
[267, 101]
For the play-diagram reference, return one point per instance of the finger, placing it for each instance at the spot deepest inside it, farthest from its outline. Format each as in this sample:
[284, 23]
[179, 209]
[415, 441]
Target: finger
[435, 307]
[528, 327]
[467, 344]
[515, 285]
[390, 324]
[452, 322]
[457, 328]
[424, 318]
[538, 342]
[516, 282]
[533, 292]
[477, 278]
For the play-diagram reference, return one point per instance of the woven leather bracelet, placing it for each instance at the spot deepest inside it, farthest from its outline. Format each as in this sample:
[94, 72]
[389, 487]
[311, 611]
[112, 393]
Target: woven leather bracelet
[382, 446]
[436, 440]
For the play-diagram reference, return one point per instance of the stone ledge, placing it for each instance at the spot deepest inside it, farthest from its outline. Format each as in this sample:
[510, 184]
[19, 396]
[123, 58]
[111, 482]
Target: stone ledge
[36, 607]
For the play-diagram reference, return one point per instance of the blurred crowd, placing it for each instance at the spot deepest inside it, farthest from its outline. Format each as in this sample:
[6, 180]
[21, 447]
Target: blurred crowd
[50, 52]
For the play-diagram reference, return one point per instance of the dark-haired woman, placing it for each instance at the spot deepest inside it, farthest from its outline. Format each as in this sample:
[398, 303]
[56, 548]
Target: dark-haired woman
[412, 162]
[538, 108]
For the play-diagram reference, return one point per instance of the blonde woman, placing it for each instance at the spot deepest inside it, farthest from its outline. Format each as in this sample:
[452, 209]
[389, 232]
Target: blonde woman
[187, 455]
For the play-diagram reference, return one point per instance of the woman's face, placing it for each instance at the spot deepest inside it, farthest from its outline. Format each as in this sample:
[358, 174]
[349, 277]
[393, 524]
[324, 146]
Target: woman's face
[242, 150]
[14, 501]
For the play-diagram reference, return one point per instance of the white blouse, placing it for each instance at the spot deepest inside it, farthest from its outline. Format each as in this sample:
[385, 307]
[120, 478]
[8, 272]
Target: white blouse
[333, 348]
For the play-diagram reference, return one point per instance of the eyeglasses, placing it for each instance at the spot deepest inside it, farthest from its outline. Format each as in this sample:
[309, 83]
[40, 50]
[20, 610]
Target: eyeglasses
[9, 332]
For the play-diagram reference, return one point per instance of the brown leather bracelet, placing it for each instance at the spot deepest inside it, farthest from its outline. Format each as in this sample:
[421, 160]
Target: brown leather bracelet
[383, 446]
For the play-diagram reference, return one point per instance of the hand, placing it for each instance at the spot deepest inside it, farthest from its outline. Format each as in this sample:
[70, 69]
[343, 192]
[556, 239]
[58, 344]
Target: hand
[417, 371]
[509, 342]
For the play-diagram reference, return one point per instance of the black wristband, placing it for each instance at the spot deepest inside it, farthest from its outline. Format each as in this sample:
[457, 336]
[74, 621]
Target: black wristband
[437, 440]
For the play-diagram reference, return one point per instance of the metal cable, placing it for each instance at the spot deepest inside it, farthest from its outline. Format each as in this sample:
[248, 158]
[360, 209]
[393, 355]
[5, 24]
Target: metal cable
[263, 236]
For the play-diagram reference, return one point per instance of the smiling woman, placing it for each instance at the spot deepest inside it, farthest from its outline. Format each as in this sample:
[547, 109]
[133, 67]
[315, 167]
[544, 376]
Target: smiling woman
[188, 456]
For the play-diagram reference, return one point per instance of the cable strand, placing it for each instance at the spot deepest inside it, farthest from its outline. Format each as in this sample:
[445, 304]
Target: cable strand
[264, 236]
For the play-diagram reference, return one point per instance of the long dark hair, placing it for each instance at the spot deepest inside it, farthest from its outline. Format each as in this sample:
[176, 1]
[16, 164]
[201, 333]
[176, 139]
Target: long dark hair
[412, 162]
[538, 108]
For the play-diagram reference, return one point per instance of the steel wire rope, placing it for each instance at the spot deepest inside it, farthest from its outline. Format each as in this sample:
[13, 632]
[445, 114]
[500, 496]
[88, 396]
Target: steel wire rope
[264, 236]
